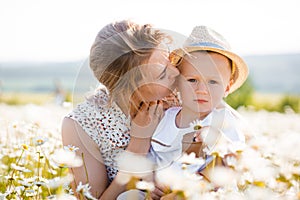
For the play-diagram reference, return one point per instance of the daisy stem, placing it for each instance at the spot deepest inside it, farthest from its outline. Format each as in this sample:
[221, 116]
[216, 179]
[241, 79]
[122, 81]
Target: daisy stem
[60, 172]
[38, 193]
[74, 178]
[50, 193]
[148, 195]
[22, 194]
[38, 166]
[214, 161]
[85, 169]
[12, 174]
[20, 157]
[81, 196]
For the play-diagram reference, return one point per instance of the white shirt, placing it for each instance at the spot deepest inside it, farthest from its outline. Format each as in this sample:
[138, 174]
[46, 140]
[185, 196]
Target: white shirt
[166, 144]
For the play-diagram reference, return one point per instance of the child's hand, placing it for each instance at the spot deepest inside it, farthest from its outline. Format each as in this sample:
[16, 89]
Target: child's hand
[170, 101]
[200, 135]
[196, 144]
[159, 191]
[172, 196]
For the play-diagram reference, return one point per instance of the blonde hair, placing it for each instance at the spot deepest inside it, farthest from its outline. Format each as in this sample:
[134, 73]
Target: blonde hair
[120, 48]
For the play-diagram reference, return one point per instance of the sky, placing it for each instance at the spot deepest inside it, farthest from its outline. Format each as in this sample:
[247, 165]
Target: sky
[64, 30]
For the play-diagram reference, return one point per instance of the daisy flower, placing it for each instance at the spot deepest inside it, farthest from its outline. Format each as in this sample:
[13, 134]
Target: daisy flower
[39, 140]
[196, 125]
[71, 148]
[64, 158]
[85, 190]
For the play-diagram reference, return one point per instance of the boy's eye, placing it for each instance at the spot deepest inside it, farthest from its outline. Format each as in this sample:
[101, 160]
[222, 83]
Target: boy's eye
[212, 82]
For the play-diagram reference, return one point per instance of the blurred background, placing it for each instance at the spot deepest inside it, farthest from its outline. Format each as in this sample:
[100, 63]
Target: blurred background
[44, 45]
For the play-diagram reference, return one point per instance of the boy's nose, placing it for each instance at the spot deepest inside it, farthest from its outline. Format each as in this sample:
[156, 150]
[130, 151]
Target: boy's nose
[201, 88]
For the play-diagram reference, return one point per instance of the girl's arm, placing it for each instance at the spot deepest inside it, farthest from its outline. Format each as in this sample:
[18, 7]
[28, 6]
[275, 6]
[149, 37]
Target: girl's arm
[95, 173]
[143, 126]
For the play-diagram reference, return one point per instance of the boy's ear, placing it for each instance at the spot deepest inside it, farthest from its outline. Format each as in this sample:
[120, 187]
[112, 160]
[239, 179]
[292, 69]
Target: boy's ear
[226, 94]
[228, 88]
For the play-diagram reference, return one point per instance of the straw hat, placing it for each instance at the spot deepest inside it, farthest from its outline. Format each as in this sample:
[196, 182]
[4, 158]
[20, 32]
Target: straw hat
[204, 38]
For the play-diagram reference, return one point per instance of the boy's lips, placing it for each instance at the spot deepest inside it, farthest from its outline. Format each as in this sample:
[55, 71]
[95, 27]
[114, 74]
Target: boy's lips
[201, 100]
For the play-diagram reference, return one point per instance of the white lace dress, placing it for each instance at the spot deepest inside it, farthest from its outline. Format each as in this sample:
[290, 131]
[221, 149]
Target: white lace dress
[107, 125]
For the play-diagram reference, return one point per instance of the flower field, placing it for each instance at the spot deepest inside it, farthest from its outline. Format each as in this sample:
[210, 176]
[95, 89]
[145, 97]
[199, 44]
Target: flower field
[35, 165]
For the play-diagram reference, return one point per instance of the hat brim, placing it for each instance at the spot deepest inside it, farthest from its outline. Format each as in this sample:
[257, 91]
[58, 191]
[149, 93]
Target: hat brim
[241, 69]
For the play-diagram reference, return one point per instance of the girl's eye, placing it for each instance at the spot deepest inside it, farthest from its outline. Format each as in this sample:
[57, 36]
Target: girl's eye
[162, 76]
[212, 82]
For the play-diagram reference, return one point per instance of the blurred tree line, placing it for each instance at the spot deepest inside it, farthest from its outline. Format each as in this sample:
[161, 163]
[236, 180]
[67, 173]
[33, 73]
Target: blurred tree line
[244, 96]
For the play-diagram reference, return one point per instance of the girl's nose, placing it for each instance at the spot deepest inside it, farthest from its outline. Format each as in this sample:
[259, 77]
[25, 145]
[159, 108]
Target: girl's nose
[173, 71]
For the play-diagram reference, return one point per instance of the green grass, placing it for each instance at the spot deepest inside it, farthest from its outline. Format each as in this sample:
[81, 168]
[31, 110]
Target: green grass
[275, 102]
[26, 98]
[245, 97]
[23, 98]
[248, 97]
